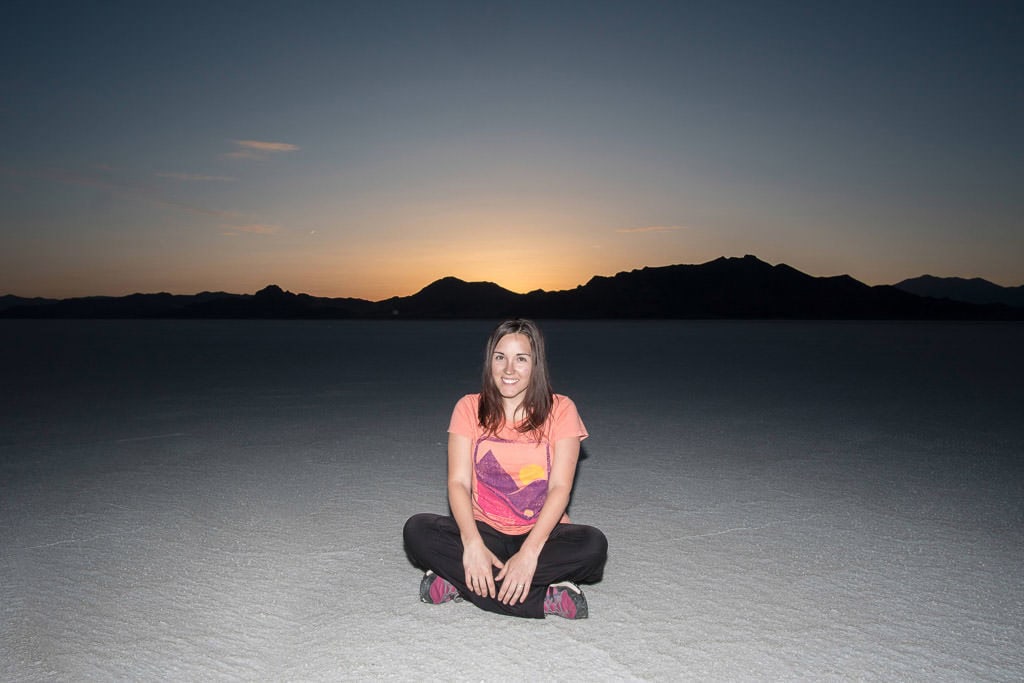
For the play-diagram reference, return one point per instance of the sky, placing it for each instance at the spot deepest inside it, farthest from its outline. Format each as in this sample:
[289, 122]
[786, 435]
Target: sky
[366, 149]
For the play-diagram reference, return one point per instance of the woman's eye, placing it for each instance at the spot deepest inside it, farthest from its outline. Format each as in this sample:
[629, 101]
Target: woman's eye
[522, 359]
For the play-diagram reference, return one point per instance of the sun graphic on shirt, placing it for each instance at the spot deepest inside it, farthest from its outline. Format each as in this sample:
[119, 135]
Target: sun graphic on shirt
[530, 473]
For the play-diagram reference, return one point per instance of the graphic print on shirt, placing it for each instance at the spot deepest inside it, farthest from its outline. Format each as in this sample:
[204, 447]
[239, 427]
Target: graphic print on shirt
[514, 496]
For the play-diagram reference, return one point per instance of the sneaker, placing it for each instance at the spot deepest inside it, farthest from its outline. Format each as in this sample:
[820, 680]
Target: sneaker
[565, 599]
[434, 590]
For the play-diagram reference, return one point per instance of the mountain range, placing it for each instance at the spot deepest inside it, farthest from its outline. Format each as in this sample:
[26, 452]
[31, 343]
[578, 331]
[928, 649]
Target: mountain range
[739, 288]
[972, 291]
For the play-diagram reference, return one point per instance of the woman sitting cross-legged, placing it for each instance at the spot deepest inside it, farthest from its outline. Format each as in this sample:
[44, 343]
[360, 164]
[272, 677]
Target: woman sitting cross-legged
[508, 546]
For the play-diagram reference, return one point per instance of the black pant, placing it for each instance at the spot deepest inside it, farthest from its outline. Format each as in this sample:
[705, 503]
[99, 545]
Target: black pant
[573, 552]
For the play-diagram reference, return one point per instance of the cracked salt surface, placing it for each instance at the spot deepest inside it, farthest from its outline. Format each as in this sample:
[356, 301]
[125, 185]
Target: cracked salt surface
[224, 501]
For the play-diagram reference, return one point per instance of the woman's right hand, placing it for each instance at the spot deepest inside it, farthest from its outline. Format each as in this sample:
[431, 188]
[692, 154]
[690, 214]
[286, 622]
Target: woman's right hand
[478, 562]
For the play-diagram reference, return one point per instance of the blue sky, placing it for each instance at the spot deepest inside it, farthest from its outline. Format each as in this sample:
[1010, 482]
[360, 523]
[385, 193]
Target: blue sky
[367, 149]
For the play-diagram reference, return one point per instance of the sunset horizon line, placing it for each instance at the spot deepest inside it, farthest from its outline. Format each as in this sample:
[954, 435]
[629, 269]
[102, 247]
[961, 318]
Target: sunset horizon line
[288, 290]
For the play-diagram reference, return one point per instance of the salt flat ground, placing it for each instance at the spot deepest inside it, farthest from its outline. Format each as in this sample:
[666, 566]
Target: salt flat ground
[224, 500]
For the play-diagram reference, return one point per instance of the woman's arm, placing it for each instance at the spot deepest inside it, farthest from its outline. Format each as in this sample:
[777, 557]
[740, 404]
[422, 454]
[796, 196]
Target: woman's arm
[518, 571]
[477, 560]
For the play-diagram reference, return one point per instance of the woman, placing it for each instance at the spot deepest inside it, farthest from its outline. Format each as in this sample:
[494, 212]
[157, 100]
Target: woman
[508, 546]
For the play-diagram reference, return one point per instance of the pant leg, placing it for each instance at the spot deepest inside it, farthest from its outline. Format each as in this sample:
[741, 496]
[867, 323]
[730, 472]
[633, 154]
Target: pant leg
[573, 552]
[433, 542]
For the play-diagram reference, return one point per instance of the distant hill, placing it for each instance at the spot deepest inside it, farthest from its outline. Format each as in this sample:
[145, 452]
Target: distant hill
[270, 302]
[973, 291]
[9, 301]
[740, 288]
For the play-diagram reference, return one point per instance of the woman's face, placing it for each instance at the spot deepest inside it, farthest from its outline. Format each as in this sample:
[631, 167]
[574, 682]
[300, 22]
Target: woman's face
[511, 365]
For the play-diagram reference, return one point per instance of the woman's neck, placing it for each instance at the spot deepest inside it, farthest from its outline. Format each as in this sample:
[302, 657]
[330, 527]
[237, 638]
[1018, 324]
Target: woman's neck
[514, 412]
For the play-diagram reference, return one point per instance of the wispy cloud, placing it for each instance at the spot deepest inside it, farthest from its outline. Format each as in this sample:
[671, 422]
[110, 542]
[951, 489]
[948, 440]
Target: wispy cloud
[267, 146]
[197, 177]
[651, 228]
[258, 149]
[250, 229]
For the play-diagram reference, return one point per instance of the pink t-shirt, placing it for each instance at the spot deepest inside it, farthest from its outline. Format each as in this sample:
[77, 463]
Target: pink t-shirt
[511, 469]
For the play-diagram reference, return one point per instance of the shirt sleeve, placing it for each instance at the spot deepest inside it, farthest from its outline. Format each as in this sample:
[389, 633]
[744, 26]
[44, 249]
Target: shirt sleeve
[565, 420]
[464, 416]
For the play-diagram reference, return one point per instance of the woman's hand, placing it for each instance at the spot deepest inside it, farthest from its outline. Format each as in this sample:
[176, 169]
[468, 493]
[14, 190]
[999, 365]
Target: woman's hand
[516, 577]
[478, 563]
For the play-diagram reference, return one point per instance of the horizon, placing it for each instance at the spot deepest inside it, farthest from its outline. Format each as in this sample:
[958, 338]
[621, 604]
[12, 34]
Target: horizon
[361, 150]
[290, 290]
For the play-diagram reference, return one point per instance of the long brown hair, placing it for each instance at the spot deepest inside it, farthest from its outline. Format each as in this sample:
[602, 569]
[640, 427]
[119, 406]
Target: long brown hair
[538, 398]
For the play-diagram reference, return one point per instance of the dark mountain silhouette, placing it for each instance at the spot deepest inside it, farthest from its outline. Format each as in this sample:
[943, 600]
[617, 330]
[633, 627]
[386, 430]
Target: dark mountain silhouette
[451, 297]
[270, 302]
[745, 288]
[972, 291]
[9, 301]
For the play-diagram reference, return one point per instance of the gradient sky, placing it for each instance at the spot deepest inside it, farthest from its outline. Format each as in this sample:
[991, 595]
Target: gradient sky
[368, 148]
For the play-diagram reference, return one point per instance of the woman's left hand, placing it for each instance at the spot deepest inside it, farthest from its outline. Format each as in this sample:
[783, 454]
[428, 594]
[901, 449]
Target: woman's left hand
[516, 577]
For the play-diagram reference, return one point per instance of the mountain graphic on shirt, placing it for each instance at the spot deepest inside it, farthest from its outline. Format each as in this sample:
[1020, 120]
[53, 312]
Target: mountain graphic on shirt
[498, 493]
